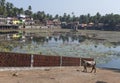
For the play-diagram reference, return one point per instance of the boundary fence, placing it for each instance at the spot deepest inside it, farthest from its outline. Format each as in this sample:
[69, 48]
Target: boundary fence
[8, 59]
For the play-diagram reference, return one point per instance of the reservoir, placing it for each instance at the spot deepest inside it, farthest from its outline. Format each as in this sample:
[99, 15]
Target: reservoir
[105, 53]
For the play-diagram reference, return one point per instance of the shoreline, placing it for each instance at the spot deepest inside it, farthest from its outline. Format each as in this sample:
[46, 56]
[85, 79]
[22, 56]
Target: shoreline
[54, 67]
[111, 36]
[48, 68]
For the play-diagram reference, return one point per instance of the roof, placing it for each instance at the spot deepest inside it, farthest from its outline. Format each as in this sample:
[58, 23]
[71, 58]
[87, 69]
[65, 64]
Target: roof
[22, 16]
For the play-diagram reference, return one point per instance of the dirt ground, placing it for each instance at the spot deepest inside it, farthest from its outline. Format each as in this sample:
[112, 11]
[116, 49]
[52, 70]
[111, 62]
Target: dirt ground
[59, 75]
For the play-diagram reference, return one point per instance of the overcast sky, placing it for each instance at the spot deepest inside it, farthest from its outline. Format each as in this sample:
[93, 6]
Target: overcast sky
[79, 7]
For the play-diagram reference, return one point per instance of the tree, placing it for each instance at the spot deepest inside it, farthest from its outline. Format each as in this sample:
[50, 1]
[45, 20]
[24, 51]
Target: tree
[10, 9]
[29, 8]
[83, 19]
[28, 11]
[35, 16]
[56, 16]
[64, 17]
[21, 11]
[2, 3]
[88, 17]
[97, 17]
[68, 18]
[2, 7]
[14, 12]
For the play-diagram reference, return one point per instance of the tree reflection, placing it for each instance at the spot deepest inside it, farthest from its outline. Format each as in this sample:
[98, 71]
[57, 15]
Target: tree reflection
[64, 38]
[50, 37]
[81, 38]
[39, 39]
[8, 46]
[96, 46]
[56, 39]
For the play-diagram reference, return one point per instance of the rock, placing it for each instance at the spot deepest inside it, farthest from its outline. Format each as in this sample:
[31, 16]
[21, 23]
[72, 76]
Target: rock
[15, 74]
[47, 69]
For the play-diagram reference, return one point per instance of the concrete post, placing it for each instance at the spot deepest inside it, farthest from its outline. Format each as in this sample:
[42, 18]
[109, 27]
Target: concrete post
[32, 60]
[80, 61]
[60, 60]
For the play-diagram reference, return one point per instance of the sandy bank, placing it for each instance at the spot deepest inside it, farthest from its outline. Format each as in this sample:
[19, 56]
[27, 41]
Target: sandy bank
[60, 75]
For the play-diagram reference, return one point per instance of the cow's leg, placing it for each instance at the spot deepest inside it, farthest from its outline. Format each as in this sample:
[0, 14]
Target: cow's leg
[85, 68]
[93, 68]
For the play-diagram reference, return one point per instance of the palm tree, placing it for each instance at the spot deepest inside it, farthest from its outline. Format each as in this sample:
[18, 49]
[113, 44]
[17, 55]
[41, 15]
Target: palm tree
[2, 2]
[30, 10]
[65, 17]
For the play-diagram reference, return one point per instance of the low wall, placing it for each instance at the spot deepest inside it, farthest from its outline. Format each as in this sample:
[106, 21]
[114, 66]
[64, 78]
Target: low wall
[15, 60]
[43, 60]
[27, 60]
[70, 61]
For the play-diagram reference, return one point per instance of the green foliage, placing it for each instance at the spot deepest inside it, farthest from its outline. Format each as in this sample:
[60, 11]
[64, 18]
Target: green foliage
[8, 9]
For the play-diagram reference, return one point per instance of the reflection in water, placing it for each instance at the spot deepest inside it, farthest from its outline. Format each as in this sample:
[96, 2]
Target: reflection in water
[66, 45]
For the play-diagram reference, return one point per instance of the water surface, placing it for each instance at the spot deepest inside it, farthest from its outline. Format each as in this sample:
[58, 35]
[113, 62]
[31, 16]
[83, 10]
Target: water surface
[105, 53]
